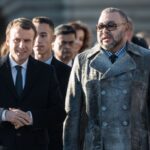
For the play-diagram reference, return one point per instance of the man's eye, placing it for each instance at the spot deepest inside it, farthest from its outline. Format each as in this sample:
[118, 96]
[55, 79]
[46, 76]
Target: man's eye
[101, 26]
[112, 25]
[43, 35]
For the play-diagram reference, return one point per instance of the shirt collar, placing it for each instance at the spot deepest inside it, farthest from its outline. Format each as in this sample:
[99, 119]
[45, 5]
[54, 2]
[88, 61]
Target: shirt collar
[13, 63]
[49, 61]
[118, 53]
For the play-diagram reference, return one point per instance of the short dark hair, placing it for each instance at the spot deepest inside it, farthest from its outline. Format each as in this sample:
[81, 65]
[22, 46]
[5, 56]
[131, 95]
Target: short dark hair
[44, 19]
[64, 29]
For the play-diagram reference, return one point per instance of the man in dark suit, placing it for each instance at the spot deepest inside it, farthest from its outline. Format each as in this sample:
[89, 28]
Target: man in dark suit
[43, 52]
[31, 104]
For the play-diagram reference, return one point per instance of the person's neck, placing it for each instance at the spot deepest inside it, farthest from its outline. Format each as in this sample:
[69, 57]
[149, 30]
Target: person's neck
[43, 57]
[65, 61]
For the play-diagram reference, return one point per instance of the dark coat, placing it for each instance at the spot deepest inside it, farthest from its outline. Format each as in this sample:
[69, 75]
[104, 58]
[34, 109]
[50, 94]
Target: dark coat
[40, 96]
[62, 73]
[94, 80]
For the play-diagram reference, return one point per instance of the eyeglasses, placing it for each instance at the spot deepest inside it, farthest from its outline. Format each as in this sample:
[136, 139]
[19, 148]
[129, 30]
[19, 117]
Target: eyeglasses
[110, 26]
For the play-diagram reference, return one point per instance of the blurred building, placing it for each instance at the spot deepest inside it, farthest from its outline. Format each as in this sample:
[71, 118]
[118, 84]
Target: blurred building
[62, 11]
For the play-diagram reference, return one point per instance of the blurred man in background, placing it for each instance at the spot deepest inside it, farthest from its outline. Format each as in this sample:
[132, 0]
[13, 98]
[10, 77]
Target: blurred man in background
[43, 52]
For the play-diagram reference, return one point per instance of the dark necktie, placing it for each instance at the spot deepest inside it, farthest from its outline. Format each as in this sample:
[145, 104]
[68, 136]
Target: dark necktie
[113, 58]
[18, 84]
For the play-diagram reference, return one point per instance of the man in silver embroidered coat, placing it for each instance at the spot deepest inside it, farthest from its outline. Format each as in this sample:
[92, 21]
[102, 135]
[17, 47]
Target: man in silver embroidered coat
[107, 102]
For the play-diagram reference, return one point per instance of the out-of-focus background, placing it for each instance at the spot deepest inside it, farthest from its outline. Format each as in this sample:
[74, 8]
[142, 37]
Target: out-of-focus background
[62, 11]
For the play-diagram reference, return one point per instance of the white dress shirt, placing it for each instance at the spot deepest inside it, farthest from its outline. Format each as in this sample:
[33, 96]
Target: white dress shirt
[49, 60]
[14, 74]
[14, 71]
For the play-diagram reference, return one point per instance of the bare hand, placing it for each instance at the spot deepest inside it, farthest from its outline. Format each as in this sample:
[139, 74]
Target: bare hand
[18, 117]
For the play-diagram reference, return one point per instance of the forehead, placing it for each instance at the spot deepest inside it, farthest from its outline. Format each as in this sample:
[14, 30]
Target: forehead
[43, 27]
[113, 16]
[21, 33]
[66, 37]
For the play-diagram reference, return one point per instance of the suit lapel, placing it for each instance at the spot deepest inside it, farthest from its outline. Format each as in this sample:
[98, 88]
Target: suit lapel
[54, 61]
[5, 71]
[103, 65]
[31, 76]
[122, 65]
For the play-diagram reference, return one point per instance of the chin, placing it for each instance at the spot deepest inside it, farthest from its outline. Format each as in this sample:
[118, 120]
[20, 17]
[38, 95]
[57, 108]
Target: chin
[107, 47]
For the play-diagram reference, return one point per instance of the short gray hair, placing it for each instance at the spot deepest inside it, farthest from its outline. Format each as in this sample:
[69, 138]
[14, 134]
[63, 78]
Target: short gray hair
[112, 10]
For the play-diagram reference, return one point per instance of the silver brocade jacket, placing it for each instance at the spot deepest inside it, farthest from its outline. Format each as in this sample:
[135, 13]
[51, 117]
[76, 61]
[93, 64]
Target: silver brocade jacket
[122, 87]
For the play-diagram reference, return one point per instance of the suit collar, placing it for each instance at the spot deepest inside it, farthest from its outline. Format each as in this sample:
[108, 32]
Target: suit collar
[13, 63]
[54, 60]
[132, 48]
[32, 72]
[49, 61]
[102, 64]
[93, 51]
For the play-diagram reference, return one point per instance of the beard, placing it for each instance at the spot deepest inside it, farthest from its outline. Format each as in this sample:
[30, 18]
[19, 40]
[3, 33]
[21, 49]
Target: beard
[115, 44]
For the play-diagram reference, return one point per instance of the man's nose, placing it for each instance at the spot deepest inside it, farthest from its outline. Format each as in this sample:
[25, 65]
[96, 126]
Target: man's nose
[67, 45]
[22, 44]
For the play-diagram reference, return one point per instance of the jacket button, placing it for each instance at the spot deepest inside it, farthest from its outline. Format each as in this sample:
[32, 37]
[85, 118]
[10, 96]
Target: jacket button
[124, 92]
[125, 123]
[104, 108]
[103, 92]
[124, 107]
[104, 124]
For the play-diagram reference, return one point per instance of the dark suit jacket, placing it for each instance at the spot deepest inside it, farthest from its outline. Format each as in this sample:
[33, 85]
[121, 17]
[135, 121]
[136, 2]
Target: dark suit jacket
[62, 73]
[40, 96]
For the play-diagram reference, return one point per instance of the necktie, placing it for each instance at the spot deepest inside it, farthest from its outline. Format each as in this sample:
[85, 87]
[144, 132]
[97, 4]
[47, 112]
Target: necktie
[18, 84]
[113, 58]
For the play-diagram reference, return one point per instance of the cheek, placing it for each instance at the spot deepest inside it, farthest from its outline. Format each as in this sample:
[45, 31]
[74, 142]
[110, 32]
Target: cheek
[53, 47]
[81, 43]
[98, 37]
[119, 36]
[13, 47]
[11, 44]
[51, 40]
[57, 46]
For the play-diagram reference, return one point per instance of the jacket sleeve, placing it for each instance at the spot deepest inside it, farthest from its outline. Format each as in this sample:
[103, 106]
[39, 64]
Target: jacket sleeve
[73, 108]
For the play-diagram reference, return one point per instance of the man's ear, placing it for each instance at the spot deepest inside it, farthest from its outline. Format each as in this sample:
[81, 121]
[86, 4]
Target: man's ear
[127, 27]
[7, 41]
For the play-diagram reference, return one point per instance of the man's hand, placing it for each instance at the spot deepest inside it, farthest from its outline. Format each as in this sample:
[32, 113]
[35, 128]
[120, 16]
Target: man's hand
[18, 117]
